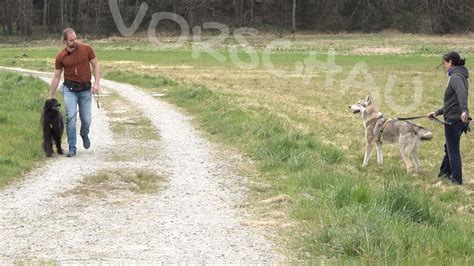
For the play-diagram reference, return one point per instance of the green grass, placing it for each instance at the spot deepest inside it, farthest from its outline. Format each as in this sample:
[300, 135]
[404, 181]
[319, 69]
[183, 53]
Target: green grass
[307, 145]
[40, 57]
[148, 81]
[346, 216]
[21, 102]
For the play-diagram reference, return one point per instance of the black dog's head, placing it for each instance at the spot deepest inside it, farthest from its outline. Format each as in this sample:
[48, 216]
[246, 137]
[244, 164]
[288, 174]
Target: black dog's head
[51, 104]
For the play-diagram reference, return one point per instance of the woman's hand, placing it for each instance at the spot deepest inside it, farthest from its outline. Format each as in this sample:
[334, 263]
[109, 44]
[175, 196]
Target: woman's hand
[431, 115]
[464, 117]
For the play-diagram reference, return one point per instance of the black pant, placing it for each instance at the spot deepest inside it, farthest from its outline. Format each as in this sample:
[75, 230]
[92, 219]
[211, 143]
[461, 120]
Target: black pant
[451, 166]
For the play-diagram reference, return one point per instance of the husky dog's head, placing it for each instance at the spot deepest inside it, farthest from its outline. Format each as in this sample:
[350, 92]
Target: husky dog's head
[361, 105]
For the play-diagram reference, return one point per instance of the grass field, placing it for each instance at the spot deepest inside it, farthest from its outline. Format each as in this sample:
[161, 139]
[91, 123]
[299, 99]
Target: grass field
[21, 102]
[306, 143]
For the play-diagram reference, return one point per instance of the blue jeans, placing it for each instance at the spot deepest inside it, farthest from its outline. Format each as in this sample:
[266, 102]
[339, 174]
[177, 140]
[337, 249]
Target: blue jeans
[72, 100]
[451, 166]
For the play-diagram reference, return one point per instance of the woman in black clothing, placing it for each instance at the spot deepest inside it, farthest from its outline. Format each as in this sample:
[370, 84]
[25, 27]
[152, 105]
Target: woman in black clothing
[456, 113]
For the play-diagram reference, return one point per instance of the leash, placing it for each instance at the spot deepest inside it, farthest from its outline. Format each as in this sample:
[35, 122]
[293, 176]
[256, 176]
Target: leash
[424, 116]
[96, 100]
[440, 121]
[431, 118]
[410, 118]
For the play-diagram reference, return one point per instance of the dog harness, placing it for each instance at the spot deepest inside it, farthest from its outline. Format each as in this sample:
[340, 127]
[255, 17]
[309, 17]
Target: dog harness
[373, 121]
[383, 126]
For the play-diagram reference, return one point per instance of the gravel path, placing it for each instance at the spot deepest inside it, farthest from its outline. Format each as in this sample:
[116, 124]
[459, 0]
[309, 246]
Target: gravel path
[192, 219]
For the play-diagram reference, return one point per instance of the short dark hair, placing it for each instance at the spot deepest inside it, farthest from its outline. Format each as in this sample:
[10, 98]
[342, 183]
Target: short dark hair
[455, 58]
[66, 32]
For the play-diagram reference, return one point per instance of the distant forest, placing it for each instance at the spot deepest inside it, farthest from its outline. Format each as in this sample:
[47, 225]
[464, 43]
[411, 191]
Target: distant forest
[94, 17]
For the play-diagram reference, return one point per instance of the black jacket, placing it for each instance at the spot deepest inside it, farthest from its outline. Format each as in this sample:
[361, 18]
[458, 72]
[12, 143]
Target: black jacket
[456, 94]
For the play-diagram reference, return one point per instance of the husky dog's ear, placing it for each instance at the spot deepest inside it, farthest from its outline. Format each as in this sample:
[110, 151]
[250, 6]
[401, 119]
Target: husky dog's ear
[368, 99]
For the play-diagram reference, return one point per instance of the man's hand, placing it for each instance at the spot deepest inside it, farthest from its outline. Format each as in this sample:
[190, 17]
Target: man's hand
[464, 117]
[95, 88]
[431, 115]
[95, 65]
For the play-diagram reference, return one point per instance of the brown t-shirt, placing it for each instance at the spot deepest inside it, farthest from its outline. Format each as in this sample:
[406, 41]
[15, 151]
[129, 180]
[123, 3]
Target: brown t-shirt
[76, 64]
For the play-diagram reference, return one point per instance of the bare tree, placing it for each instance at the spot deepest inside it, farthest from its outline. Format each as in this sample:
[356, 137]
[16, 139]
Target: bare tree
[293, 15]
[45, 14]
[70, 11]
[61, 13]
[25, 17]
[94, 16]
[252, 5]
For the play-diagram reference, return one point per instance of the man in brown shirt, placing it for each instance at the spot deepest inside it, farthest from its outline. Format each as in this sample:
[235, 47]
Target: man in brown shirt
[75, 59]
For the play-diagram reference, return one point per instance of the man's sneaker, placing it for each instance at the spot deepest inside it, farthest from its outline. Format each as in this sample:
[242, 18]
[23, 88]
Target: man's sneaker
[71, 153]
[86, 141]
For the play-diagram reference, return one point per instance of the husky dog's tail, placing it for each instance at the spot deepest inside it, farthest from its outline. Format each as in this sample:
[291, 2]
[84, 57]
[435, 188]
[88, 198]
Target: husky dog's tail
[423, 133]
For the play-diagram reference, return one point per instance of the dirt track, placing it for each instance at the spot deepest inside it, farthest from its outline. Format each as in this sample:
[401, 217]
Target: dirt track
[191, 219]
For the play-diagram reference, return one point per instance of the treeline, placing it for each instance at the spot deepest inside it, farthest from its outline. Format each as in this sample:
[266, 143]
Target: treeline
[94, 17]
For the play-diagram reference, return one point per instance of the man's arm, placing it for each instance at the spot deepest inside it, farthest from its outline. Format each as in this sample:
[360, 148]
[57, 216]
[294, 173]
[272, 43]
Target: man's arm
[96, 67]
[55, 82]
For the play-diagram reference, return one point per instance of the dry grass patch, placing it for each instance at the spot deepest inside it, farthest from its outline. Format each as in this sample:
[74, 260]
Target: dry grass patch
[380, 50]
[136, 151]
[142, 181]
[126, 120]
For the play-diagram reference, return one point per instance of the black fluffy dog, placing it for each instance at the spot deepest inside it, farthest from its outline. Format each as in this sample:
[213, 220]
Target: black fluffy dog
[53, 126]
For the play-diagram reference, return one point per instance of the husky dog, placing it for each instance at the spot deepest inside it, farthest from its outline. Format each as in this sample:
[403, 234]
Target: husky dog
[379, 130]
